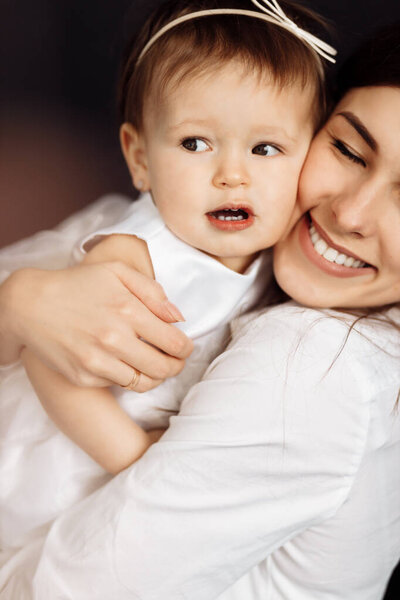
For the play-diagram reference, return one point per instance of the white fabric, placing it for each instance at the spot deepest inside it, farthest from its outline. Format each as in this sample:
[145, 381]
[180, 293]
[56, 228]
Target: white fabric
[38, 462]
[280, 473]
[25, 431]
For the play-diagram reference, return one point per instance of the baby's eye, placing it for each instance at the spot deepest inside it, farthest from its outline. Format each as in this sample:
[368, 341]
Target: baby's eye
[265, 150]
[194, 145]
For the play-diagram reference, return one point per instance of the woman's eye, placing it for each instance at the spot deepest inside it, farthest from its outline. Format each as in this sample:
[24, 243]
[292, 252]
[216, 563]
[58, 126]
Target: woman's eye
[194, 145]
[343, 149]
[265, 150]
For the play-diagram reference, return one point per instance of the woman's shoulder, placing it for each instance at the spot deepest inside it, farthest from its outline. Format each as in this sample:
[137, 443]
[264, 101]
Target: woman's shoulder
[295, 319]
[325, 340]
[290, 320]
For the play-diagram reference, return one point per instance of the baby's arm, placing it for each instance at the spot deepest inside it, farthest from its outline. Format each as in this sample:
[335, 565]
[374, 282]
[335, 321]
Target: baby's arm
[91, 417]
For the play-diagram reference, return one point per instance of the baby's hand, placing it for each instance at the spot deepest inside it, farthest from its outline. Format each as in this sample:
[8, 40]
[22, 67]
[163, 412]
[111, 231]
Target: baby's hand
[87, 323]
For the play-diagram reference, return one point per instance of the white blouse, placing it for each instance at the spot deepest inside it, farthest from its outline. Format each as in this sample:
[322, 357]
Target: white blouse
[278, 479]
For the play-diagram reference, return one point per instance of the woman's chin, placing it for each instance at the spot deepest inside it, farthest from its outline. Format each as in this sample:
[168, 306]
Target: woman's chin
[309, 295]
[293, 280]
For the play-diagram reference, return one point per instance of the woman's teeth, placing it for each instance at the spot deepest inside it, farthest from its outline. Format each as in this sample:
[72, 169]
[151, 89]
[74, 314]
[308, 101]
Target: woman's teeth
[330, 254]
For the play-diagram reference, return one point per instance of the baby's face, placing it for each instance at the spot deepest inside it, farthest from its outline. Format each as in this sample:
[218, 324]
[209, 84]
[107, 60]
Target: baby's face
[223, 154]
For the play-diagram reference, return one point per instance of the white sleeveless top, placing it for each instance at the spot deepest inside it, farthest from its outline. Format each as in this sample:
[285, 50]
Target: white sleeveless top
[208, 294]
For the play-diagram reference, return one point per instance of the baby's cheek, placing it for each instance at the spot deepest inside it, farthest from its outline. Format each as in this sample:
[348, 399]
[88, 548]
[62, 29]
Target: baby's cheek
[296, 213]
[293, 218]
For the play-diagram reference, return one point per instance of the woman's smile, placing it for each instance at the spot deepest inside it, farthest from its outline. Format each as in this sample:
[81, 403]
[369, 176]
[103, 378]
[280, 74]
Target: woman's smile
[327, 255]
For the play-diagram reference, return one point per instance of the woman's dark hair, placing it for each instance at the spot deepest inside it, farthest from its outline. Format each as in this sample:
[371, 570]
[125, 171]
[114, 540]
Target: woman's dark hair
[375, 63]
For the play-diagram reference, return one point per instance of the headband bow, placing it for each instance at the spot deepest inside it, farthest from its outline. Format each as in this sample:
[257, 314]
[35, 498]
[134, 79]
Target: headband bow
[270, 12]
[272, 8]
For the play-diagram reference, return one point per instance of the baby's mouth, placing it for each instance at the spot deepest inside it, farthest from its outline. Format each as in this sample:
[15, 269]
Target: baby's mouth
[230, 214]
[231, 217]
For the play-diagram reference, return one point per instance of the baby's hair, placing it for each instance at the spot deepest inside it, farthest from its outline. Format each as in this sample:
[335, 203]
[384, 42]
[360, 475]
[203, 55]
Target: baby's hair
[201, 46]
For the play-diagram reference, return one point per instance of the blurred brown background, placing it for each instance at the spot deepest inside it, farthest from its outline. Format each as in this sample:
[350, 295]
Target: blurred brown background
[58, 131]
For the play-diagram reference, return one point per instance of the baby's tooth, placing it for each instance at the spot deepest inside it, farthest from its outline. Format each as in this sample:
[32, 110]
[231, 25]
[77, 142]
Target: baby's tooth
[221, 218]
[349, 261]
[356, 263]
[321, 246]
[331, 254]
[312, 229]
[340, 259]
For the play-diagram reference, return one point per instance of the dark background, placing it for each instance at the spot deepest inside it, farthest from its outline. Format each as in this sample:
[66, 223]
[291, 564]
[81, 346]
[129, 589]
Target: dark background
[58, 130]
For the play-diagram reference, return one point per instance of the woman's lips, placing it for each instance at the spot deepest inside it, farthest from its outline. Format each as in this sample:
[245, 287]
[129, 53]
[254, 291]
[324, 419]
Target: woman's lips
[331, 268]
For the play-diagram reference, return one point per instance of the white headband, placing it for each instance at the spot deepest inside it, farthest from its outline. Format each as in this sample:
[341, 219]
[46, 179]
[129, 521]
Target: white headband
[271, 12]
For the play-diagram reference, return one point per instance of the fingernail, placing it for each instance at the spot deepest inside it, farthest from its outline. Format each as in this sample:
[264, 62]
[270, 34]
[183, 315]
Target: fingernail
[174, 312]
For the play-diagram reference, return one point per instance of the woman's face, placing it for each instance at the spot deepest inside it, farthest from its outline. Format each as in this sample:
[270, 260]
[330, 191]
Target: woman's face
[345, 250]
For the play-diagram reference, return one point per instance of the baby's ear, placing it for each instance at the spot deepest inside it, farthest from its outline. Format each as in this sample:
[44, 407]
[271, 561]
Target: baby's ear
[134, 150]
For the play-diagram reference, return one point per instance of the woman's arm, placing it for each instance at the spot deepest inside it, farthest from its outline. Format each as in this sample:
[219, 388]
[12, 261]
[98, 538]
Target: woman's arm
[91, 417]
[88, 322]
[264, 447]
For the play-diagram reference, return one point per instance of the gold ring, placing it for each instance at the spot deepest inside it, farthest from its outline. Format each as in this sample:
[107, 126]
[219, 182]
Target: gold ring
[134, 381]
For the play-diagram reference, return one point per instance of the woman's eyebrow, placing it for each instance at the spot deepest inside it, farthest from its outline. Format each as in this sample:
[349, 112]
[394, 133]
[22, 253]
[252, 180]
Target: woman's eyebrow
[360, 128]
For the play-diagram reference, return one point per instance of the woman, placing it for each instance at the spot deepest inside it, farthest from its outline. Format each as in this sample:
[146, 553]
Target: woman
[280, 477]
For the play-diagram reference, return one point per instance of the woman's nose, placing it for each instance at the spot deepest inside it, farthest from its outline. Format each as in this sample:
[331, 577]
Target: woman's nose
[356, 211]
[231, 172]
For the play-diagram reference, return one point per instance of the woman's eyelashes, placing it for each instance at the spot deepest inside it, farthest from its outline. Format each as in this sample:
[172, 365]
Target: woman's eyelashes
[345, 151]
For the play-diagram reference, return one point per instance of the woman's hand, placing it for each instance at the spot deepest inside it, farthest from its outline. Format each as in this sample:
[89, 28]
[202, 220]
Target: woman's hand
[87, 323]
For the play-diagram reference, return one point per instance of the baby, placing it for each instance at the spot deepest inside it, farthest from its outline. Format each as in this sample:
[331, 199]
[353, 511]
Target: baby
[219, 103]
